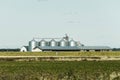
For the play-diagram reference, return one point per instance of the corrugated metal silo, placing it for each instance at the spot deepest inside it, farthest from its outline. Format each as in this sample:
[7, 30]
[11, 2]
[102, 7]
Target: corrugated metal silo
[53, 43]
[32, 45]
[63, 43]
[43, 43]
[72, 43]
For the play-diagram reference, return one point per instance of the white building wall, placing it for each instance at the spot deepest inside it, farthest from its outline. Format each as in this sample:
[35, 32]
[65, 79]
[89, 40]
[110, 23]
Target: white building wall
[36, 50]
[23, 49]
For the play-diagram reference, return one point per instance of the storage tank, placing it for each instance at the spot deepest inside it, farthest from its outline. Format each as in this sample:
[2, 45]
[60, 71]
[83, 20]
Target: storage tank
[43, 43]
[32, 45]
[63, 43]
[53, 43]
[72, 43]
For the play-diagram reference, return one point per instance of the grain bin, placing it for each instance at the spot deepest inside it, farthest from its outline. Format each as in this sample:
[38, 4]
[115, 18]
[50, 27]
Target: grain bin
[42, 42]
[53, 43]
[32, 45]
[63, 42]
[72, 43]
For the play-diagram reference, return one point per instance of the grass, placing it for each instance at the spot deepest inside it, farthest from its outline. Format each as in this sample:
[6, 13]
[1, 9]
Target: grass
[110, 53]
[60, 70]
[43, 70]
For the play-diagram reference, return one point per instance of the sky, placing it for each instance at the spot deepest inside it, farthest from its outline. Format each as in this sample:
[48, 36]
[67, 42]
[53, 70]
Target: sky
[92, 22]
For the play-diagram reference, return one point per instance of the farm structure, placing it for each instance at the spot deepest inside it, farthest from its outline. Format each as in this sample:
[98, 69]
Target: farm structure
[59, 44]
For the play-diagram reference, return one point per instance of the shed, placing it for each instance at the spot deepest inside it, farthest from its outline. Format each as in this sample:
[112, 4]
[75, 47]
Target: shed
[24, 49]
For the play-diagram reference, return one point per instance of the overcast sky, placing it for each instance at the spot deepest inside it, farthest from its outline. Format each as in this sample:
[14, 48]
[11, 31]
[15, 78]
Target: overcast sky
[92, 22]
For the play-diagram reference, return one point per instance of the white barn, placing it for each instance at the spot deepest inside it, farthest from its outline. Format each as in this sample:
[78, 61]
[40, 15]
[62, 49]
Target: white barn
[24, 49]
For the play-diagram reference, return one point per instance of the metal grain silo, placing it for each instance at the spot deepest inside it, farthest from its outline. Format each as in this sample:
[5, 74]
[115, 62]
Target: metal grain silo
[53, 43]
[72, 43]
[32, 45]
[63, 43]
[43, 43]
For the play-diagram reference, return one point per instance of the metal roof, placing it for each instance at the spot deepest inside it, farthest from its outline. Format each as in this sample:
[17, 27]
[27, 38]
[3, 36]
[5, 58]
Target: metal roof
[26, 47]
[94, 47]
[59, 48]
[75, 48]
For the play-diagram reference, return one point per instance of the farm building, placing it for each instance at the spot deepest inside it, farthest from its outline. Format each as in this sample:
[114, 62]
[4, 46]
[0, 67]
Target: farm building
[59, 44]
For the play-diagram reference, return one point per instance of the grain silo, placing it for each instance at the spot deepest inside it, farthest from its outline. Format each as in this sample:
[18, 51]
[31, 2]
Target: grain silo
[32, 45]
[53, 43]
[63, 43]
[42, 42]
[72, 43]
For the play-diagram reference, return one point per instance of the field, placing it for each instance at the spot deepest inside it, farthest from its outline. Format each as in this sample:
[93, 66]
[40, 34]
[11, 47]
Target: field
[60, 70]
[84, 70]
[110, 53]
